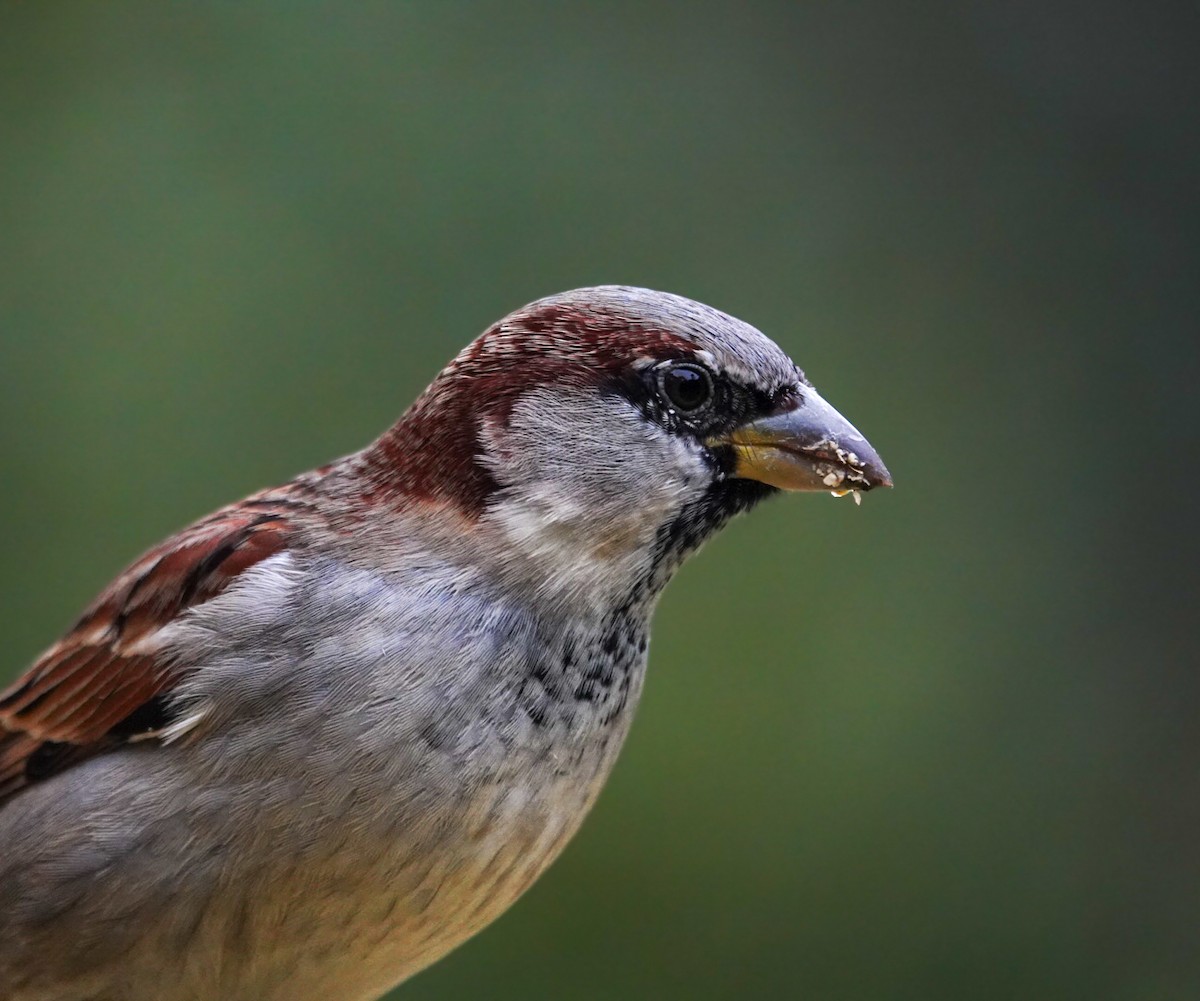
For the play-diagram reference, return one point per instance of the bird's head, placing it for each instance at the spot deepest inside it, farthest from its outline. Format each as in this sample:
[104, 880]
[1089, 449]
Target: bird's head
[597, 436]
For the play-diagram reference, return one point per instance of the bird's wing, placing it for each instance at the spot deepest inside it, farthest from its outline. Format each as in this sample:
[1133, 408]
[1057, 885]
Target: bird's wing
[105, 682]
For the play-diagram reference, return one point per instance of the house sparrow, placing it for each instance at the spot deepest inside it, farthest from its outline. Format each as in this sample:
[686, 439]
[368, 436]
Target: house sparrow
[308, 745]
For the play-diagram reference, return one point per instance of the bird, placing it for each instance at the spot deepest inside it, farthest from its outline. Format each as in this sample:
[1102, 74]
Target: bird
[310, 744]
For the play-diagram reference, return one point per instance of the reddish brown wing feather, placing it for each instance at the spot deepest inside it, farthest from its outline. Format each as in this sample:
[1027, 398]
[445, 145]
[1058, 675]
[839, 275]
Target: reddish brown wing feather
[72, 703]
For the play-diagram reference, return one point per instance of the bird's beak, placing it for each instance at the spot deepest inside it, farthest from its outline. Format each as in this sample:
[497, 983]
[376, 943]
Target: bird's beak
[810, 447]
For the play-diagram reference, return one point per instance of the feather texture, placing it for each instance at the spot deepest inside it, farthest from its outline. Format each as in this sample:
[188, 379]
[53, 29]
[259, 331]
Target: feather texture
[105, 681]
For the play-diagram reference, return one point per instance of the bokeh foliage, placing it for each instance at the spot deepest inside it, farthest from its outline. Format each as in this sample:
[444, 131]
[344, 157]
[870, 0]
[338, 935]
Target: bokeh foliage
[944, 746]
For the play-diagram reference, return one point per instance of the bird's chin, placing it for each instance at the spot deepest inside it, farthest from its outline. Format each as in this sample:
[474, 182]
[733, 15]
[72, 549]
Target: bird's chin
[723, 500]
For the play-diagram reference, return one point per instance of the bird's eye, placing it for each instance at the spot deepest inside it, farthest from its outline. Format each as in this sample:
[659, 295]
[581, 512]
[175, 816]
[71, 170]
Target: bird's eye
[686, 387]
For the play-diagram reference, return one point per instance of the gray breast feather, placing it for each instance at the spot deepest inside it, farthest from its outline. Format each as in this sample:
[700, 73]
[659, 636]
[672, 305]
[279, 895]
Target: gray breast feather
[413, 727]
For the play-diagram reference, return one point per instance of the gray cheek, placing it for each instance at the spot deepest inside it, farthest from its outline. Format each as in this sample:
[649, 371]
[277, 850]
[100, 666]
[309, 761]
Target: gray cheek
[587, 483]
[593, 457]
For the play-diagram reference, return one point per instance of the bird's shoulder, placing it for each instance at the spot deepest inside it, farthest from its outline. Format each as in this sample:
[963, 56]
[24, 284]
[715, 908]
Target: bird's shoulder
[108, 679]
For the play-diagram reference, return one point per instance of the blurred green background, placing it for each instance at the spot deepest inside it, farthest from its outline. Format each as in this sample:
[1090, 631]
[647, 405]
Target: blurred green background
[942, 746]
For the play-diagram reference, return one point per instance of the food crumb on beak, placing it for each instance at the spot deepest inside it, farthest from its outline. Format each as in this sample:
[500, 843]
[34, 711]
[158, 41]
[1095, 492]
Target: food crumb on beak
[842, 493]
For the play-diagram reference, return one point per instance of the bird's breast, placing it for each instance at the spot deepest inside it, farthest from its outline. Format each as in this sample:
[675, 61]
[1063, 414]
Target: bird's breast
[517, 773]
[432, 751]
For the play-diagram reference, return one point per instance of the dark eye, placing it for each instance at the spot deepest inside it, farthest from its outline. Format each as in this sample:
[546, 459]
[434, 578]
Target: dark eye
[686, 387]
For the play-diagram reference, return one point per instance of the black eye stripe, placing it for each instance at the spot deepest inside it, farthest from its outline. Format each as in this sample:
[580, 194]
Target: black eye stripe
[728, 404]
